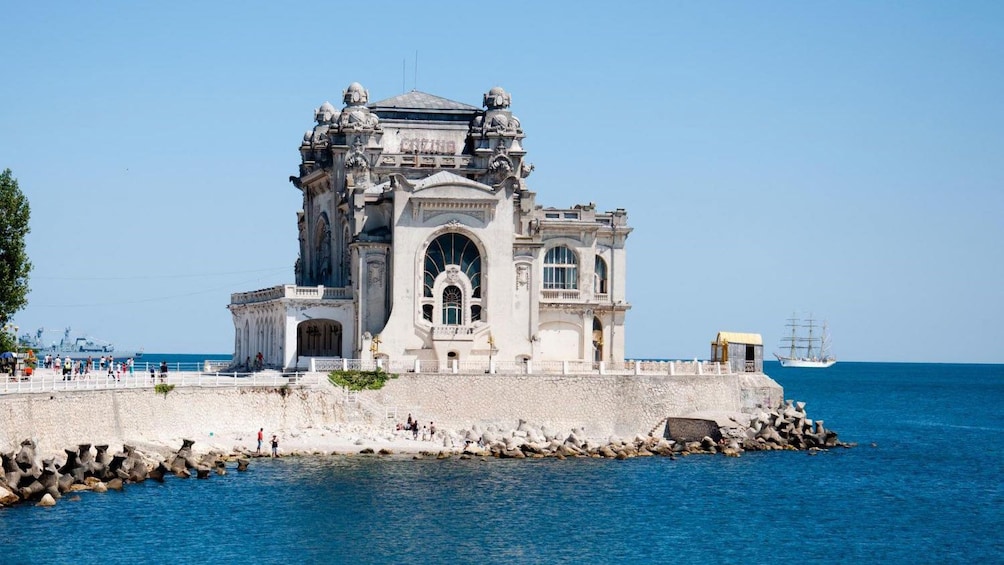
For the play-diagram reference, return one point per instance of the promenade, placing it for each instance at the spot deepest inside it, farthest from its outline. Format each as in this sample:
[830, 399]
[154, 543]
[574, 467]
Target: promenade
[48, 380]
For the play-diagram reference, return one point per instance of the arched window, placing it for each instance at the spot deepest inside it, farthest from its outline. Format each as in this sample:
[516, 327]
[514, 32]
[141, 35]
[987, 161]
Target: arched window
[453, 306]
[451, 280]
[597, 340]
[561, 269]
[600, 276]
[453, 249]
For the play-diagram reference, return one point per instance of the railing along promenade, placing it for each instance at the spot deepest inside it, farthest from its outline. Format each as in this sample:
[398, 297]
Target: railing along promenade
[210, 373]
[529, 367]
[47, 380]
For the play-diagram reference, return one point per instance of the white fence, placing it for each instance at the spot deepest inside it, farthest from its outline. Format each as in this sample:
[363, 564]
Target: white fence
[48, 381]
[528, 367]
[200, 374]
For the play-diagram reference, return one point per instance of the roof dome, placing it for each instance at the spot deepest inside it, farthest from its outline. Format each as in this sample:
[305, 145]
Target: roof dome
[355, 95]
[497, 98]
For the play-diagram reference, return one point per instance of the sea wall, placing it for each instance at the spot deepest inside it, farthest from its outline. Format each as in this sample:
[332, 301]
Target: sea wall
[223, 417]
[604, 404]
[213, 417]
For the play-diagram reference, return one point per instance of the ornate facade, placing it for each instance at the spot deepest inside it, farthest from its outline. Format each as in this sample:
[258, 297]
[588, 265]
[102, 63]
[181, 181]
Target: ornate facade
[419, 239]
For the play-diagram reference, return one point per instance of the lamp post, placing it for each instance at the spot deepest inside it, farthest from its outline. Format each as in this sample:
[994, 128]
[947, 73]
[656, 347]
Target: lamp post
[492, 350]
[375, 348]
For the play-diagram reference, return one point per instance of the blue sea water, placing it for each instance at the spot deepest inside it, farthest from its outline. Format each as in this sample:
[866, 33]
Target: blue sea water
[928, 491]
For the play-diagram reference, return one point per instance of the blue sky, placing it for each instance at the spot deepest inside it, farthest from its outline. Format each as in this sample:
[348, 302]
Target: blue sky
[844, 159]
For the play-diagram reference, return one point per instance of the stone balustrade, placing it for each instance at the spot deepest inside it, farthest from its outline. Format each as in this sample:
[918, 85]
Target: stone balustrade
[291, 291]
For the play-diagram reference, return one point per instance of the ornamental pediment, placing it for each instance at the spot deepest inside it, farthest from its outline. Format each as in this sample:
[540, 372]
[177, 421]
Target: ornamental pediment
[480, 209]
[446, 178]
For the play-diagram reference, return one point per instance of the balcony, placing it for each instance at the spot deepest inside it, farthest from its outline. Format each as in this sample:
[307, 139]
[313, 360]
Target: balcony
[452, 333]
[291, 291]
[570, 295]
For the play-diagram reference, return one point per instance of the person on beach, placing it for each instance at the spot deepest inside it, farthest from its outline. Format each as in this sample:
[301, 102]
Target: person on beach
[163, 371]
[261, 436]
[414, 430]
[275, 446]
[153, 374]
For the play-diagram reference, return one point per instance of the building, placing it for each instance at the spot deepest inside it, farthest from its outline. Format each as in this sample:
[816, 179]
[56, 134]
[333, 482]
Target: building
[420, 240]
[743, 352]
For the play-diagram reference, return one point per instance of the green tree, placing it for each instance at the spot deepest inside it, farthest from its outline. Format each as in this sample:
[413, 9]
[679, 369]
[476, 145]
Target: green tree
[14, 263]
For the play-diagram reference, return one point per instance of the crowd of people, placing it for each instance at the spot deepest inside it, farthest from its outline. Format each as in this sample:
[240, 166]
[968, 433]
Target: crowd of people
[71, 369]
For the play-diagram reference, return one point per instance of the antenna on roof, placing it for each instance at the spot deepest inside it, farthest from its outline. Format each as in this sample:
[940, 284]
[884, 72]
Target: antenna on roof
[415, 84]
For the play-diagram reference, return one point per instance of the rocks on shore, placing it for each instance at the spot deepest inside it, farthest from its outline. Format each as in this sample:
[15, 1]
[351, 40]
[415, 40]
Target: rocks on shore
[29, 478]
[788, 427]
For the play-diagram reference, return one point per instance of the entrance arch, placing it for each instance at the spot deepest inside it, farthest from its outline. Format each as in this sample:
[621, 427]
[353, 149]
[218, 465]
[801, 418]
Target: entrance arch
[319, 338]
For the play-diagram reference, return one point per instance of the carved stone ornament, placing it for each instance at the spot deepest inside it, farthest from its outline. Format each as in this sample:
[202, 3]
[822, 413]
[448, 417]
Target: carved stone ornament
[497, 99]
[375, 273]
[500, 166]
[356, 161]
[522, 276]
[452, 274]
[356, 116]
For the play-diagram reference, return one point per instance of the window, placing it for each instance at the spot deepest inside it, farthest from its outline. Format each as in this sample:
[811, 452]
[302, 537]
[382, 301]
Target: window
[452, 249]
[561, 269]
[600, 276]
[451, 281]
[453, 306]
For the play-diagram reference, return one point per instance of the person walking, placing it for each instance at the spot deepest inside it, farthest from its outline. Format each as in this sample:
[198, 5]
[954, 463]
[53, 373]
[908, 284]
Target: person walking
[275, 446]
[261, 436]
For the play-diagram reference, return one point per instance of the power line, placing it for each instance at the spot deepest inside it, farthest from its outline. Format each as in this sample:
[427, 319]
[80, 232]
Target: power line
[142, 300]
[160, 276]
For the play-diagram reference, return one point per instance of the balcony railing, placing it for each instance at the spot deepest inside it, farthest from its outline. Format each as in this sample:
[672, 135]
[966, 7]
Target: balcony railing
[291, 291]
[572, 295]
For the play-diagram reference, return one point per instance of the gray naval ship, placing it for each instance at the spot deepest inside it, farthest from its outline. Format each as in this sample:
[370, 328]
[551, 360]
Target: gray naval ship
[74, 347]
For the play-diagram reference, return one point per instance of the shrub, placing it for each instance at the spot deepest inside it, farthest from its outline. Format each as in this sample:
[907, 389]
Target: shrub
[360, 380]
[163, 389]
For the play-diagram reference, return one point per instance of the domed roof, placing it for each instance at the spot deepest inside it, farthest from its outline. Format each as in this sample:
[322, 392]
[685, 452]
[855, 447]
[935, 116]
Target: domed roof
[496, 90]
[327, 107]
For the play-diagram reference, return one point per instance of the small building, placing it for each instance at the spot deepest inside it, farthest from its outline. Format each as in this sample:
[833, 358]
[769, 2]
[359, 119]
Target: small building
[742, 351]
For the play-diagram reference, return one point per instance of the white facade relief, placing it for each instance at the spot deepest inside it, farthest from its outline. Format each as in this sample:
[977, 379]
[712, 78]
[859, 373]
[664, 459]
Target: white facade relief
[420, 241]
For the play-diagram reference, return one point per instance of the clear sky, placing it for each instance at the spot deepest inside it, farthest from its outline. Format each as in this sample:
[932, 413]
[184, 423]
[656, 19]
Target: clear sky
[844, 159]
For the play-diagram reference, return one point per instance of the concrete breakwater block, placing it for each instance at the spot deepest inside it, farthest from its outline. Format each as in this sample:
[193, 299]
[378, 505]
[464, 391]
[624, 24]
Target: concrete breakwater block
[691, 429]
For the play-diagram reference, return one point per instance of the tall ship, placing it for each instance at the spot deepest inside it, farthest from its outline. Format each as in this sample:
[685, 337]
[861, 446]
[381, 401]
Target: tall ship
[73, 346]
[806, 350]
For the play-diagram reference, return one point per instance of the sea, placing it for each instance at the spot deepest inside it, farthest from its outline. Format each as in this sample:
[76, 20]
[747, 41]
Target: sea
[925, 484]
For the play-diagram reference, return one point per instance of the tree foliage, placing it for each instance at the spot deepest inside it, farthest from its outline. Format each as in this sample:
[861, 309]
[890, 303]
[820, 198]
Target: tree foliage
[14, 263]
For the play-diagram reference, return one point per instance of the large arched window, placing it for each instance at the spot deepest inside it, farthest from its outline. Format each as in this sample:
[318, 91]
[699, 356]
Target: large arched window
[600, 276]
[452, 280]
[561, 270]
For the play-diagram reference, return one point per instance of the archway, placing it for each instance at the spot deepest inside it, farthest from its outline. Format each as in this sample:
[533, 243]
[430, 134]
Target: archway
[319, 338]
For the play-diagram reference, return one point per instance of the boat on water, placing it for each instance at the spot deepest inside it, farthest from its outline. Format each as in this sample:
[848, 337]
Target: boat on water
[72, 346]
[807, 350]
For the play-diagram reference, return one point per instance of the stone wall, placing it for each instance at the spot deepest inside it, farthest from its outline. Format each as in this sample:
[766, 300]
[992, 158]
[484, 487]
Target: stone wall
[213, 417]
[605, 404]
[624, 405]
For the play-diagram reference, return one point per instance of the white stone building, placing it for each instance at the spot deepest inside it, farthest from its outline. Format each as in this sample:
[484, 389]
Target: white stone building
[420, 240]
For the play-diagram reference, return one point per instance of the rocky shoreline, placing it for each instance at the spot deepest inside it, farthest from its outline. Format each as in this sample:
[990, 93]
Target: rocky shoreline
[28, 478]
